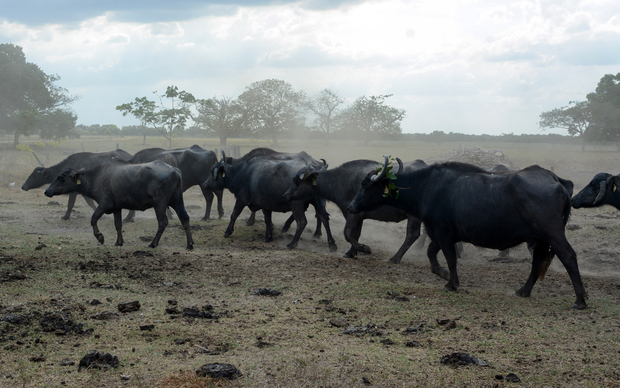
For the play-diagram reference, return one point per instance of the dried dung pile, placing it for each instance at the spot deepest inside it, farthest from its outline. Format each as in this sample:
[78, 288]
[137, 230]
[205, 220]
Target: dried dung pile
[477, 156]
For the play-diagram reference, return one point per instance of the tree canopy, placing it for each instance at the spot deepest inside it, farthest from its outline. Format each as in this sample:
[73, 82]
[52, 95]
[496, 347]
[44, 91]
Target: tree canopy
[270, 108]
[596, 118]
[30, 100]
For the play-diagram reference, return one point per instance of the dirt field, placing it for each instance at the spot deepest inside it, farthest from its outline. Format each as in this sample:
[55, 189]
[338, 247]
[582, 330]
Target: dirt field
[337, 322]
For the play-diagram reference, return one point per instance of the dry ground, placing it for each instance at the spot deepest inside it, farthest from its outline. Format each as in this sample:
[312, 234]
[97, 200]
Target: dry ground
[52, 270]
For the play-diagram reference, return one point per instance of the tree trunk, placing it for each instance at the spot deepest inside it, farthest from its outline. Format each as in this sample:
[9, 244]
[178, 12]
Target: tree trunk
[275, 141]
[16, 139]
[583, 145]
[143, 137]
[223, 139]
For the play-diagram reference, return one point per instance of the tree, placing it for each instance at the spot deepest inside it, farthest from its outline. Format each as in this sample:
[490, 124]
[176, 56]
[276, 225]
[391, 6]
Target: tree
[270, 108]
[30, 100]
[218, 116]
[604, 104]
[576, 119]
[371, 117]
[142, 109]
[174, 118]
[324, 106]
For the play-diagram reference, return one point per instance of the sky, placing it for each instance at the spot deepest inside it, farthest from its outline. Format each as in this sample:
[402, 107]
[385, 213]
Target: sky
[467, 66]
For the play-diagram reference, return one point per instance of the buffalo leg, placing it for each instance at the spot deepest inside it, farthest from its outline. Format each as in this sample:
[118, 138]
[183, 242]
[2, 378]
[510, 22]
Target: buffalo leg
[220, 208]
[433, 249]
[451, 255]
[70, 205]
[251, 220]
[130, 216]
[179, 208]
[352, 232]
[233, 217]
[118, 224]
[323, 218]
[413, 232]
[208, 194]
[268, 225]
[162, 223]
[540, 256]
[90, 202]
[568, 257]
[287, 224]
[93, 222]
[299, 211]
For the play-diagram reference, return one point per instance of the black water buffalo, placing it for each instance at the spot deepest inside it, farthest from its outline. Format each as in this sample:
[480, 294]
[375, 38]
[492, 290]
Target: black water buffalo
[194, 163]
[44, 176]
[602, 190]
[340, 185]
[259, 183]
[461, 202]
[262, 151]
[119, 185]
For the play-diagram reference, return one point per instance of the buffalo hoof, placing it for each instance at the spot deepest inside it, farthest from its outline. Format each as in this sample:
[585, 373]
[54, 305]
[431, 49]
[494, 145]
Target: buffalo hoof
[220, 214]
[317, 235]
[189, 247]
[580, 306]
[284, 229]
[351, 253]
[152, 245]
[65, 218]
[250, 222]
[365, 249]
[450, 287]
[441, 272]
[100, 238]
[396, 260]
[333, 247]
[118, 244]
[523, 293]
[227, 233]
[205, 218]
[292, 245]
[268, 239]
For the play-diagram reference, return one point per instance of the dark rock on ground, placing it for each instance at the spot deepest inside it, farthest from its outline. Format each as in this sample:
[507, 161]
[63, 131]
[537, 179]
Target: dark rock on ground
[264, 291]
[459, 358]
[219, 370]
[127, 307]
[147, 327]
[96, 360]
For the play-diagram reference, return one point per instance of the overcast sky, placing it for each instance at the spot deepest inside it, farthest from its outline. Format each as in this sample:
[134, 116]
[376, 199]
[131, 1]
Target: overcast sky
[455, 66]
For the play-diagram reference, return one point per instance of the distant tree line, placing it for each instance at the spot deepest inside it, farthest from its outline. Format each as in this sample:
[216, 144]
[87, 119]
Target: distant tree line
[269, 109]
[597, 118]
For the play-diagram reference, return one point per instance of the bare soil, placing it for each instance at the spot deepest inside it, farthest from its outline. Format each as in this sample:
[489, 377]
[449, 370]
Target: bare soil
[337, 322]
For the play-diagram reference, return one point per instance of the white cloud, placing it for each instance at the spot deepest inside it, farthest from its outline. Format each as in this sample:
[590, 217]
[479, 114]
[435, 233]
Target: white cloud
[446, 62]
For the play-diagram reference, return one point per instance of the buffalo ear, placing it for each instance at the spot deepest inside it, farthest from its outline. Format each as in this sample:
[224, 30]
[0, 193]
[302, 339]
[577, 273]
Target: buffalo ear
[221, 171]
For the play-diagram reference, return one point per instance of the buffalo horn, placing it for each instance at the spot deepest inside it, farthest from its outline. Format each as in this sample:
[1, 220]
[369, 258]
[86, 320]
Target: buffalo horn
[601, 193]
[400, 166]
[223, 156]
[38, 160]
[377, 177]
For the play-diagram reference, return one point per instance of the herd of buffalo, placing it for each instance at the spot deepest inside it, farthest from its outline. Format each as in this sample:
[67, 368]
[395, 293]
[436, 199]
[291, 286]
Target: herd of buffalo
[457, 202]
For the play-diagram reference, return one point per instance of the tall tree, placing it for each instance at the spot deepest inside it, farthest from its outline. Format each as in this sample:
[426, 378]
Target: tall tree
[30, 100]
[324, 105]
[174, 118]
[270, 108]
[144, 110]
[371, 117]
[576, 118]
[165, 119]
[219, 116]
[604, 104]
